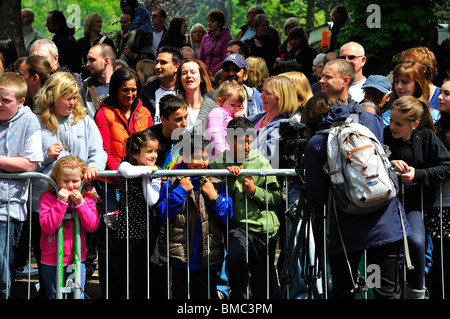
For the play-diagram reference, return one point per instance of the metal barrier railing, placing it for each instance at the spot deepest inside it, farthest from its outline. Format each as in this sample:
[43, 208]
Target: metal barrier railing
[75, 287]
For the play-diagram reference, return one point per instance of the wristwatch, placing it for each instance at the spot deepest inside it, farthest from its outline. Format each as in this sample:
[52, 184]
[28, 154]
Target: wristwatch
[217, 198]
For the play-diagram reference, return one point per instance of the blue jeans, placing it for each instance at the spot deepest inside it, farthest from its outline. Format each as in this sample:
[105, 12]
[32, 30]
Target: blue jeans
[7, 262]
[416, 242]
[49, 278]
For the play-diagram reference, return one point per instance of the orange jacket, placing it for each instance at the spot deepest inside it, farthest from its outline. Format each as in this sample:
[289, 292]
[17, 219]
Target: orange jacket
[115, 129]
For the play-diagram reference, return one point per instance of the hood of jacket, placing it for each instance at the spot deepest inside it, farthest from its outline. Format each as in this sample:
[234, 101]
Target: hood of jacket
[337, 113]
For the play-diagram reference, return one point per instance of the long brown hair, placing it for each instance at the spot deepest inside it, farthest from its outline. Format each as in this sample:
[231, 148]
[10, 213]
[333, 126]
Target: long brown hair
[205, 85]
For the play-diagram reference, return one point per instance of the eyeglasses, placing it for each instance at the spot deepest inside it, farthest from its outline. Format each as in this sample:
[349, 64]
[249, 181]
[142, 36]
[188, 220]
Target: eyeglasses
[249, 13]
[124, 21]
[350, 57]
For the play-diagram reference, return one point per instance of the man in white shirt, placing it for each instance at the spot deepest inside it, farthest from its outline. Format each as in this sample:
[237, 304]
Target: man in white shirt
[167, 63]
[158, 18]
[354, 53]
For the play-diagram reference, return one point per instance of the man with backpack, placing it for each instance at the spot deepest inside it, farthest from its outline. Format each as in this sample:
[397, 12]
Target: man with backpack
[381, 233]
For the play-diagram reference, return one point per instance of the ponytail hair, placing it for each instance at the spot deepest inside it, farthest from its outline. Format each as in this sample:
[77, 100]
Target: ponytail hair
[414, 109]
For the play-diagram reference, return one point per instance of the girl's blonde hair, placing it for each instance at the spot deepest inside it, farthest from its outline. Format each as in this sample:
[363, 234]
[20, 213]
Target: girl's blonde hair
[231, 90]
[70, 162]
[257, 71]
[61, 85]
[302, 86]
[284, 89]
[413, 109]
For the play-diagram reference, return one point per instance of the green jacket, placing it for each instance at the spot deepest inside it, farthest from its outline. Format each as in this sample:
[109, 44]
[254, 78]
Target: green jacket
[260, 220]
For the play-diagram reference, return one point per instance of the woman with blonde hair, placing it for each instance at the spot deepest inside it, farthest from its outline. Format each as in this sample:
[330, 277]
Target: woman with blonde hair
[196, 34]
[280, 101]
[302, 87]
[91, 36]
[66, 130]
[257, 72]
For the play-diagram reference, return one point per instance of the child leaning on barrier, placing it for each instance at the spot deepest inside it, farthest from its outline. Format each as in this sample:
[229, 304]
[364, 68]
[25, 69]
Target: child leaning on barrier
[138, 193]
[20, 151]
[199, 207]
[68, 174]
[250, 198]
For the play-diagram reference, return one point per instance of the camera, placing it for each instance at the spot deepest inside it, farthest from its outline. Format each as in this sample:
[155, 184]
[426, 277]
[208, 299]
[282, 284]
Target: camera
[293, 140]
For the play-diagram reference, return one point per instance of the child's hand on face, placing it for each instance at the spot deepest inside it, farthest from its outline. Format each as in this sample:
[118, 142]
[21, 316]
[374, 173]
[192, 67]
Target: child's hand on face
[76, 197]
[186, 183]
[63, 195]
[239, 113]
[209, 190]
[54, 150]
[248, 186]
[236, 170]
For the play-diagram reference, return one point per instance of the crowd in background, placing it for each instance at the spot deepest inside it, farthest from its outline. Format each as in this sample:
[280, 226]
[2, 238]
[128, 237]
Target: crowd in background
[123, 103]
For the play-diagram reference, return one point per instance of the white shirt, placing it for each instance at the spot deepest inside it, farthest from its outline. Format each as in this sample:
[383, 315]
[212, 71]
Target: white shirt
[356, 92]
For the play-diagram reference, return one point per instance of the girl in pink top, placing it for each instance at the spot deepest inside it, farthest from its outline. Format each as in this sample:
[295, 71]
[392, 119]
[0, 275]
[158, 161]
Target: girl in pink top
[230, 104]
[67, 173]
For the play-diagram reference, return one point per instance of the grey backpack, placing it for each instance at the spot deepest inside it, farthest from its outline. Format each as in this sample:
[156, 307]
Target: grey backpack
[362, 180]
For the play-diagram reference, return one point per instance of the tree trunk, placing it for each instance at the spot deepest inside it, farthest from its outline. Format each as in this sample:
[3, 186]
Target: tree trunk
[11, 23]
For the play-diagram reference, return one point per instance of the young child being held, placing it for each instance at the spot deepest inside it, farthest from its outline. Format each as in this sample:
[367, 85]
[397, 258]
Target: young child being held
[67, 173]
[197, 206]
[249, 197]
[230, 99]
[138, 193]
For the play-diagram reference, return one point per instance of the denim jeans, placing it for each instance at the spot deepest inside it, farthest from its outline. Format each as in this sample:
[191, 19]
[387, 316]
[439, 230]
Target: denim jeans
[49, 277]
[7, 261]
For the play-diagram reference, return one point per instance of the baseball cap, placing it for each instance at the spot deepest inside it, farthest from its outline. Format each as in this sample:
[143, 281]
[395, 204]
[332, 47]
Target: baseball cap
[379, 82]
[237, 59]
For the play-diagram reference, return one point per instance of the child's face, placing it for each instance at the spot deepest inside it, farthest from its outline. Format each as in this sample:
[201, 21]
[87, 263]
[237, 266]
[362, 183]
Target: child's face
[70, 178]
[234, 106]
[241, 147]
[400, 126]
[9, 105]
[198, 160]
[148, 153]
[177, 119]
[65, 106]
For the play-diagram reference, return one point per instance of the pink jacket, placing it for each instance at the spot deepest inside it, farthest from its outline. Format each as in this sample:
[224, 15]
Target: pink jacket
[51, 213]
[216, 129]
[213, 49]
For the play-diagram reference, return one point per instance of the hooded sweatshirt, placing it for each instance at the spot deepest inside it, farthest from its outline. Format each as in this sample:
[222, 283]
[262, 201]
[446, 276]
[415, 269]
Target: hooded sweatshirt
[82, 139]
[213, 49]
[19, 137]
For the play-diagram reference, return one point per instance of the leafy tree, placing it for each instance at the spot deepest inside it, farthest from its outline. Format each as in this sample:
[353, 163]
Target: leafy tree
[399, 28]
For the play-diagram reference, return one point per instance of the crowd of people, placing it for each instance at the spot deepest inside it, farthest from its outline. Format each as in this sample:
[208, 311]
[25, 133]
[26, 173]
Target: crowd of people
[151, 98]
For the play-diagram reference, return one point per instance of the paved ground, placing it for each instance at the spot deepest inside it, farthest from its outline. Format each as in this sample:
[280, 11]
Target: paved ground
[28, 290]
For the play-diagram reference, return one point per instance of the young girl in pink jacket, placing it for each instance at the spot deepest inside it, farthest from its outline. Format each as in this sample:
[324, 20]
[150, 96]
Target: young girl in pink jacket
[67, 173]
[230, 104]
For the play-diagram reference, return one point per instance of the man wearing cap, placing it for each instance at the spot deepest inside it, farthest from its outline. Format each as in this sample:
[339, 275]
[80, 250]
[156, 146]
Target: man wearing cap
[235, 69]
[354, 53]
[377, 92]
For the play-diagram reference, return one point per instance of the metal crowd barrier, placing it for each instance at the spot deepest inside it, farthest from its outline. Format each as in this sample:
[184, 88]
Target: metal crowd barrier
[74, 287]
